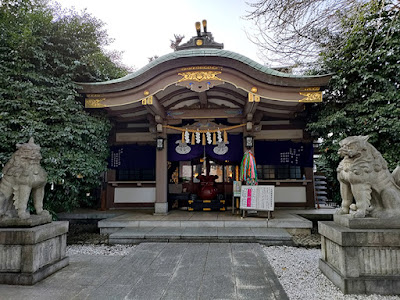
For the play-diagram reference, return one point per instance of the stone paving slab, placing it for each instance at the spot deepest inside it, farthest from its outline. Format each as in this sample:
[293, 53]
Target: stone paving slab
[135, 233]
[198, 233]
[161, 271]
[271, 233]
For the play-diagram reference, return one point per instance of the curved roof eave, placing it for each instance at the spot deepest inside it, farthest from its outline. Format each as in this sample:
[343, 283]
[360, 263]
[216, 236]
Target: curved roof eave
[320, 80]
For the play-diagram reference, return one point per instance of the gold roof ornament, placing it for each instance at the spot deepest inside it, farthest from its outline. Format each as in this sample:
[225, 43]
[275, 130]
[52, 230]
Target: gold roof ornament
[311, 94]
[94, 103]
[311, 97]
[199, 81]
[201, 39]
[199, 76]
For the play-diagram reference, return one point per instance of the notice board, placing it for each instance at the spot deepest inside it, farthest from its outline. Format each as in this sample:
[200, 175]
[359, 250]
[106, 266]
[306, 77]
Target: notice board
[257, 197]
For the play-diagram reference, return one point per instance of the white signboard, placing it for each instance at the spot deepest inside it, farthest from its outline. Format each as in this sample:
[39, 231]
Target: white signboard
[258, 197]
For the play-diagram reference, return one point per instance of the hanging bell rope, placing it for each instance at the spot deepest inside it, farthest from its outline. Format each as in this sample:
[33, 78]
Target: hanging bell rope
[215, 132]
[204, 130]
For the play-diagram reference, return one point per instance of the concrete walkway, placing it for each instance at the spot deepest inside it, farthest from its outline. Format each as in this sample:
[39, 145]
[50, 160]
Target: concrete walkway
[161, 271]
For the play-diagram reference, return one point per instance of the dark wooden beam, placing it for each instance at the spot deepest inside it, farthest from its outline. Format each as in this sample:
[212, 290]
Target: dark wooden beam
[206, 113]
[120, 112]
[258, 116]
[191, 97]
[250, 108]
[279, 116]
[221, 89]
[158, 108]
[140, 117]
[203, 100]
[296, 107]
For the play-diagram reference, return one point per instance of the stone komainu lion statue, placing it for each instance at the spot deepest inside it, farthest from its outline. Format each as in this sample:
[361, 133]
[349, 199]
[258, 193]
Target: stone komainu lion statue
[363, 174]
[22, 175]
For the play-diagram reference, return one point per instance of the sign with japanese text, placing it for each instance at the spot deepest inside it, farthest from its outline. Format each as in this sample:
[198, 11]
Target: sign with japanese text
[258, 197]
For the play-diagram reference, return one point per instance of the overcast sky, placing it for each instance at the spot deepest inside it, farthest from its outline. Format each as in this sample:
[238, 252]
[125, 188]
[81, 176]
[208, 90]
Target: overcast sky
[144, 28]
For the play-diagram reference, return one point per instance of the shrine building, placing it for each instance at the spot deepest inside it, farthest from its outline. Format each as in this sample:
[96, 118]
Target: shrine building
[195, 112]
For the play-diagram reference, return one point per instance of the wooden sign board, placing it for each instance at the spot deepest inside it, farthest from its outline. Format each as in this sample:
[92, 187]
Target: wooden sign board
[258, 197]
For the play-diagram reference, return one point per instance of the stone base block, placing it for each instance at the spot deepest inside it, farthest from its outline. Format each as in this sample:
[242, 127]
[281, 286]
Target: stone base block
[361, 261]
[32, 278]
[34, 220]
[28, 255]
[367, 223]
[383, 285]
[160, 208]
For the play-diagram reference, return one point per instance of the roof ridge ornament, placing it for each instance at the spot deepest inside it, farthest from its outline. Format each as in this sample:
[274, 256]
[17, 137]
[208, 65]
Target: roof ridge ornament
[201, 40]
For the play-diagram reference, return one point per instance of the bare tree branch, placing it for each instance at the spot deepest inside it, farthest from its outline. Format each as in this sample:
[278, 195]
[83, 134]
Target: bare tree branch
[177, 40]
[296, 31]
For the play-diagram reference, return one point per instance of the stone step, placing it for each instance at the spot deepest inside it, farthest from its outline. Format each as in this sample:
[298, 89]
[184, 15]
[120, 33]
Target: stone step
[294, 222]
[268, 236]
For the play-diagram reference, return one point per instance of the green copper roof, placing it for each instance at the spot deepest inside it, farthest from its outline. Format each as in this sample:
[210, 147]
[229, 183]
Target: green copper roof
[199, 53]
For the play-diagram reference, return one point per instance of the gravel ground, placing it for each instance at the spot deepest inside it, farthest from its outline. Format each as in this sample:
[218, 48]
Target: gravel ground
[298, 272]
[115, 250]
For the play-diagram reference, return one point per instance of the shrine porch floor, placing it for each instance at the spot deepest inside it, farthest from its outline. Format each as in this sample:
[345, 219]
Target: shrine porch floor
[136, 226]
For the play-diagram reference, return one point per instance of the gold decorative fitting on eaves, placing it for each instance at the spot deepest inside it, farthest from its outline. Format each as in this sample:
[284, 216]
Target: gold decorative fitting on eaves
[199, 76]
[94, 103]
[310, 97]
[310, 89]
[147, 100]
[253, 97]
[200, 68]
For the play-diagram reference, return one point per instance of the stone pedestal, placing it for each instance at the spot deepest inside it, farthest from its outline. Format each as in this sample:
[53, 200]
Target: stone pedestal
[160, 209]
[30, 254]
[361, 256]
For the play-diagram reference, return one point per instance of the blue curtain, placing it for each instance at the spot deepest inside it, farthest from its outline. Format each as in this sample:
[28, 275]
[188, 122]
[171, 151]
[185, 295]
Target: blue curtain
[284, 153]
[130, 157]
[234, 154]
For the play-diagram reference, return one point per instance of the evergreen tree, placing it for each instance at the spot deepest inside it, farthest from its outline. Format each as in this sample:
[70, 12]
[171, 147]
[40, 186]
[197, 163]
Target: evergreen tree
[363, 97]
[43, 52]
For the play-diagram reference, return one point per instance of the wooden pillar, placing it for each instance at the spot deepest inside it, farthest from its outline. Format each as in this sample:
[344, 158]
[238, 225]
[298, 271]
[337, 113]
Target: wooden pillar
[161, 204]
[110, 190]
[248, 131]
[310, 195]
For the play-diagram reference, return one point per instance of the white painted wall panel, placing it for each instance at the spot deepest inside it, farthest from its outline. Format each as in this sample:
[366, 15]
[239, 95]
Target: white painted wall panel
[293, 194]
[135, 195]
